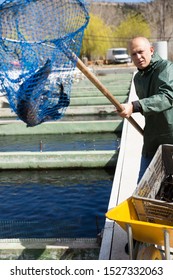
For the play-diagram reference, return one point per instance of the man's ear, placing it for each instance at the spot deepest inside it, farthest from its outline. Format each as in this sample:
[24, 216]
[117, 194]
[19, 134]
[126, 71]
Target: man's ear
[152, 50]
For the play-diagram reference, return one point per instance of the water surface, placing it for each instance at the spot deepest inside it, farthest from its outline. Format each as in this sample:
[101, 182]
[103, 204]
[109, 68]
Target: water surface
[53, 203]
[63, 142]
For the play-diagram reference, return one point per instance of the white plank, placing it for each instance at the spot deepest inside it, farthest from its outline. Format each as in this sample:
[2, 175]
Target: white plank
[124, 183]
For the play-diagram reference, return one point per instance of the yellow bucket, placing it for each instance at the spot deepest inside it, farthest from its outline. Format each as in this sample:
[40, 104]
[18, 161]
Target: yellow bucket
[125, 214]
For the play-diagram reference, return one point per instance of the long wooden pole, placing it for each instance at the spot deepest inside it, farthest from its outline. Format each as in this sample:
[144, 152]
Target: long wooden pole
[81, 66]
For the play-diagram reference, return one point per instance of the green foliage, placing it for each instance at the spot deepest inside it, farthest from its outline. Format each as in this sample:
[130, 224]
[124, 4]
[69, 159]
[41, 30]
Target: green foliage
[97, 38]
[134, 25]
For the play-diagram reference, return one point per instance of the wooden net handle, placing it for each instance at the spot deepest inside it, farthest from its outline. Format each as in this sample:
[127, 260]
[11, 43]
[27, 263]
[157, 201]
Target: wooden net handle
[81, 66]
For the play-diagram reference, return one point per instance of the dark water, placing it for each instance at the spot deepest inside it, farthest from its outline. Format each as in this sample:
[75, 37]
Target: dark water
[66, 142]
[53, 204]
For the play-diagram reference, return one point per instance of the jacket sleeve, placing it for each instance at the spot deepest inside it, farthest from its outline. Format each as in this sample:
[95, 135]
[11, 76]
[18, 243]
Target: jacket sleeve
[160, 92]
[136, 107]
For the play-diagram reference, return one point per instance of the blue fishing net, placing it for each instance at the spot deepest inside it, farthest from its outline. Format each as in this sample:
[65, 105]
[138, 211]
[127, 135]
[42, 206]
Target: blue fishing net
[37, 42]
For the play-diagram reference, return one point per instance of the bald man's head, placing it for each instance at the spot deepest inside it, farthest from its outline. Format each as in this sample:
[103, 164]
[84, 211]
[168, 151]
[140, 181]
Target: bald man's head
[141, 52]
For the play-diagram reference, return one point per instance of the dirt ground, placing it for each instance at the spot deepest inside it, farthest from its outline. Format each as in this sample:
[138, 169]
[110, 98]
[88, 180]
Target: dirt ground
[101, 65]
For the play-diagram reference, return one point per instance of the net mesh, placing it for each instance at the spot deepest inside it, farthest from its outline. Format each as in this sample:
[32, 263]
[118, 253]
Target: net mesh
[37, 38]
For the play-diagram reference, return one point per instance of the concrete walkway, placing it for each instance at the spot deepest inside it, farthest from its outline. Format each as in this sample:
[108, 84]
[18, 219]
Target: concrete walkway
[13, 127]
[124, 184]
[60, 160]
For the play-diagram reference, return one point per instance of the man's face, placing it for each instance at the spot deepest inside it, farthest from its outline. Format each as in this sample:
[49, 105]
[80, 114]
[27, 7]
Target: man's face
[141, 53]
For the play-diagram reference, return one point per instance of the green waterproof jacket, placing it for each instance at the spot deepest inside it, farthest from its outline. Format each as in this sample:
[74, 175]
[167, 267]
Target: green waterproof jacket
[154, 87]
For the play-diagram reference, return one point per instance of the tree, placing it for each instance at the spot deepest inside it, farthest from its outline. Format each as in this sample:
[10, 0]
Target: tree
[134, 25]
[156, 14]
[97, 38]
[159, 13]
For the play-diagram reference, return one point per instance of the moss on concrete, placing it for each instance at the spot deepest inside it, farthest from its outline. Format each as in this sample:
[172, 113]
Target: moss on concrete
[50, 254]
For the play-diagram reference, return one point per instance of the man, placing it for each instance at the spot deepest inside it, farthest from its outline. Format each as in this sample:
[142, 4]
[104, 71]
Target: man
[154, 87]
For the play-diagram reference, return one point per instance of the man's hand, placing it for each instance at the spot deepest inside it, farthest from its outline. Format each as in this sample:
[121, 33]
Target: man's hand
[127, 110]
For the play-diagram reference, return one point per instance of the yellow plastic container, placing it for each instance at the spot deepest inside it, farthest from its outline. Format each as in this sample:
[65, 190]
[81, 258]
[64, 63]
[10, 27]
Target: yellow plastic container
[145, 232]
